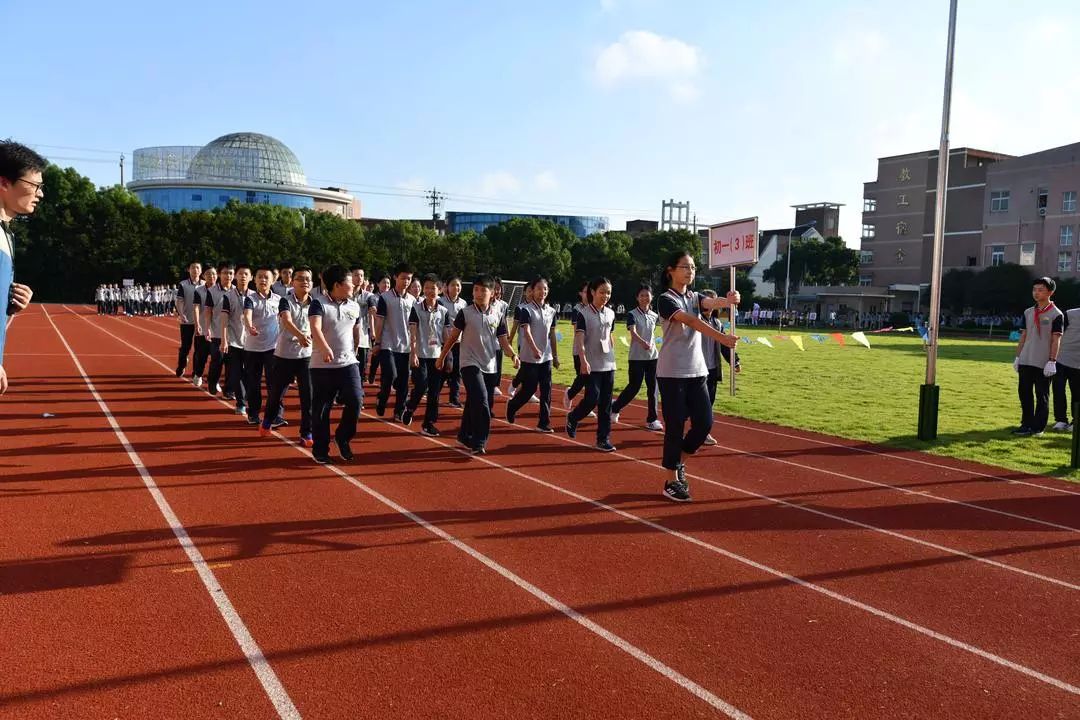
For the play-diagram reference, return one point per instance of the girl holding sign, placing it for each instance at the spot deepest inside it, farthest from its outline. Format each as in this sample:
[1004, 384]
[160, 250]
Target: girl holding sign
[641, 321]
[593, 339]
[681, 371]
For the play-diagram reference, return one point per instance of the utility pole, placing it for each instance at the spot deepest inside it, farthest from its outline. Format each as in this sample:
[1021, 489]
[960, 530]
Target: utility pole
[121, 169]
[435, 200]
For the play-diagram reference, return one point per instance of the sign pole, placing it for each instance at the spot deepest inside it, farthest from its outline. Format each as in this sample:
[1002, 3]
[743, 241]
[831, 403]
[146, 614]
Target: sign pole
[733, 311]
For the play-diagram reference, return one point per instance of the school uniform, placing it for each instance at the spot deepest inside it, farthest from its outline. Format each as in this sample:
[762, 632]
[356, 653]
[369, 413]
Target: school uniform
[280, 289]
[394, 349]
[535, 370]
[259, 349]
[430, 328]
[291, 363]
[185, 310]
[642, 362]
[1068, 366]
[202, 346]
[1041, 326]
[579, 380]
[453, 373]
[599, 351]
[681, 375]
[339, 378]
[7, 277]
[714, 352]
[501, 309]
[215, 297]
[480, 333]
[367, 301]
[232, 306]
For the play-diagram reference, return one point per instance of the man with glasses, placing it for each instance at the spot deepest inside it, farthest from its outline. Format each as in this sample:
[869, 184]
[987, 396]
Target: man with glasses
[21, 188]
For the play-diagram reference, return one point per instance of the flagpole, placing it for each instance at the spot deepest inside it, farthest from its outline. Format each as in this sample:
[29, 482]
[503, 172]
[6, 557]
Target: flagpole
[929, 392]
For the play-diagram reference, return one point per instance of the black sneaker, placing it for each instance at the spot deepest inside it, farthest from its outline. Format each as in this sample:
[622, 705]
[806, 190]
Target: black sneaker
[252, 420]
[279, 422]
[544, 429]
[406, 417]
[455, 404]
[571, 428]
[1022, 431]
[479, 450]
[229, 396]
[464, 443]
[605, 447]
[430, 431]
[179, 372]
[677, 489]
[321, 459]
[510, 414]
[380, 408]
[399, 417]
[345, 451]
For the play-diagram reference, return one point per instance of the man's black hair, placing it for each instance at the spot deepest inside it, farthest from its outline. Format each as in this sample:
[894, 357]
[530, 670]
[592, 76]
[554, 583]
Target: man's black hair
[16, 160]
[333, 275]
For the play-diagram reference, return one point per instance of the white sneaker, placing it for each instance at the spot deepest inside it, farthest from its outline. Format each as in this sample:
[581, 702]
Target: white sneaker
[1060, 426]
[215, 390]
[498, 391]
[614, 417]
[710, 440]
[566, 403]
[592, 414]
[513, 391]
[534, 400]
[197, 382]
[654, 425]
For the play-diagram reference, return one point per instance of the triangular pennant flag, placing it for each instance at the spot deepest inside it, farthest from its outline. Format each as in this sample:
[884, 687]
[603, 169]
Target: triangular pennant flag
[837, 337]
[883, 330]
[1014, 335]
[911, 329]
[818, 338]
[659, 340]
[624, 341]
[765, 342]
[746, 340]
[860, 337]
[558, 335]
[780, 337]
[797, 339]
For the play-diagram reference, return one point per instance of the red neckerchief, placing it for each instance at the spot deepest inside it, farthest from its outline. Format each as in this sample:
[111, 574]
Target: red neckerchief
[1038, 326]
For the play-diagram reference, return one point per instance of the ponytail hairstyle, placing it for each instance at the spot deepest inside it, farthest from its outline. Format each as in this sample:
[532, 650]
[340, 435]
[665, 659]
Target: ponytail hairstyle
[536, 281]
[592, 286]
[672, 262]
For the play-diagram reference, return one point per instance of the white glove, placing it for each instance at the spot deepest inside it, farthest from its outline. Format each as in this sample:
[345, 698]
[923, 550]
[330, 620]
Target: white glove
[1016, 363]
[1051, 369]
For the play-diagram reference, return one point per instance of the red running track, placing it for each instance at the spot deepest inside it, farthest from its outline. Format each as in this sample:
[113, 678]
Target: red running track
[811, 577]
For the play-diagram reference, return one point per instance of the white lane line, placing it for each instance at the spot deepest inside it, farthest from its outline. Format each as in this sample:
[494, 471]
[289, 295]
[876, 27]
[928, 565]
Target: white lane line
[823, 471]
[551, 601]
[852, 602]
[275, 691]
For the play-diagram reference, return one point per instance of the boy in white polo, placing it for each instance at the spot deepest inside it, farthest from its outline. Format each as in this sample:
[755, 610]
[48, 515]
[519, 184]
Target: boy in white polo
[392, 341]
[539, 350]
[335, 372]
[428, 329]
[215, 298]
[453, 302]
[292, 355]
[1036, 358]
[233, 334]
[261, 320]
[185, 311]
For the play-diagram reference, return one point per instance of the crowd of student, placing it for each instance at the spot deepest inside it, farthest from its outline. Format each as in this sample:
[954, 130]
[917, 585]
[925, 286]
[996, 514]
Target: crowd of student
[256, 333]
[156, 301]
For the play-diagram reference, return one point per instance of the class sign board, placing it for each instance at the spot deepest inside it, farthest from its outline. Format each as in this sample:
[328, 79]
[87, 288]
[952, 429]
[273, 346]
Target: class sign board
[733, 243]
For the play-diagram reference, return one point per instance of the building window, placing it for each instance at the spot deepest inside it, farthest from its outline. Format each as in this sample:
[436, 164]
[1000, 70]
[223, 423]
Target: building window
[1044, 197]
[997, 255]
[868, 231]
[865, 280]
[866, 257]
[196, 197]
[1027, 254]
[1065, 238]
[1064, 261]
[869, 205]
[1068, 201]
[999, 201]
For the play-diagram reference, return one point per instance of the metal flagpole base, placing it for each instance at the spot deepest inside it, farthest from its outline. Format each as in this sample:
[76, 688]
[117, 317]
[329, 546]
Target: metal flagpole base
[928, 411]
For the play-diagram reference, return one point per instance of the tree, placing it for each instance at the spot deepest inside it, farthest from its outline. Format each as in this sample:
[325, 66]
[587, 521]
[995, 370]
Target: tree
[525, 247]
[825, 263]
[956, 290]
[1001, 289]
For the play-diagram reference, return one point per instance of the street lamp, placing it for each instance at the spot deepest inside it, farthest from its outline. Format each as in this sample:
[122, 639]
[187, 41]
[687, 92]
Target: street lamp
[787, 275]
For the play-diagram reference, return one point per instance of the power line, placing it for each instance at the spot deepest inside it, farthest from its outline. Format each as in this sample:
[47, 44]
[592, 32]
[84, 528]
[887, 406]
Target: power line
[79, 149]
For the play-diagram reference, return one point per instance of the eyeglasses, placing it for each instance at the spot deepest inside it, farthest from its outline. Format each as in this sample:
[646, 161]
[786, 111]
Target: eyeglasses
[691, 268]
[38, 187]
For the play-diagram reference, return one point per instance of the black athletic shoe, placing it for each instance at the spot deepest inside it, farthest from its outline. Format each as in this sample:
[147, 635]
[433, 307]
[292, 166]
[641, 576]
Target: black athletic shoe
[430, 431]
[406, 417]
[605, 447]
[455, 404]
[279, 422]
[677, 489]
[510, 414]
[252, 421]
[479, 450]
[464, 443]
[571, 428]
[1022, 431]
[179, 372]
[345, 451]
[399, 417]
[229, 396]
[321, 459]
[380, 408]
[545, 429]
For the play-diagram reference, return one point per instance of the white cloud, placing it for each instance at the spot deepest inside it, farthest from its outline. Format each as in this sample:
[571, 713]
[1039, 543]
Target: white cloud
[546, 181]
[500, 182]
[640, 54]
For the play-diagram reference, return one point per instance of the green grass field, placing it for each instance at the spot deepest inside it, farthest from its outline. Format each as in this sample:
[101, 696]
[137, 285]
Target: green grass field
[873, 394]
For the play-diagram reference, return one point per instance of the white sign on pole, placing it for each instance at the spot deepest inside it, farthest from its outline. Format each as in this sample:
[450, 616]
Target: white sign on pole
[129, 282]
[733, 243]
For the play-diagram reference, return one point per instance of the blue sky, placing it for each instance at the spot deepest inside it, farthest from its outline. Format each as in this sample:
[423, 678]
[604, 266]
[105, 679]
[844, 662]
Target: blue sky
[742, 109]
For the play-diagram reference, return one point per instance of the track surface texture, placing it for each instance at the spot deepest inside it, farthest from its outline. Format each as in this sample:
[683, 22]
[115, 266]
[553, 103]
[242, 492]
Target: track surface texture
[160, 559]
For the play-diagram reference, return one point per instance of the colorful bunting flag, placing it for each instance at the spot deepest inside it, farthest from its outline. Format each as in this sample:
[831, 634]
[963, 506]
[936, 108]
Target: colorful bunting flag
[838, 337]
[780, 337]
[765, 342]
[797, 339]
[818, 338]
[746, 340]
[624, 341]
[558, 335]
[1014, 335]
[860, 337]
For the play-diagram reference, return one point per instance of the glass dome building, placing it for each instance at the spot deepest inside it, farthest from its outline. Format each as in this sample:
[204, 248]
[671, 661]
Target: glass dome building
[246, 167]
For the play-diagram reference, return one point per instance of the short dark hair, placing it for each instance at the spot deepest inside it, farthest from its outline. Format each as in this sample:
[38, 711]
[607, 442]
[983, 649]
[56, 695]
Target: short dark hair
[16, 160]
[284, 266]
[264, 268]
[243, 266]
[223, 266]
[452, 277]
[643, 287]
[403, 267]
[484, 281]
[354, 268]
[1047, 282]
[333, 275]
[304, 268]
[431, 278]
